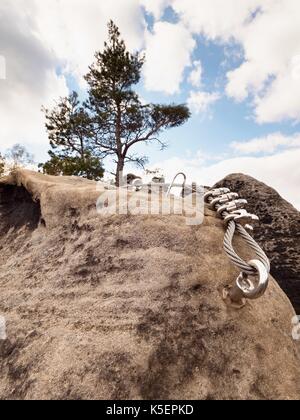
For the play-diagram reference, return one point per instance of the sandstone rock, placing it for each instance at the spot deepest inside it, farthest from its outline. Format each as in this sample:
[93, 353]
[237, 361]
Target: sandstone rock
[278, 232]
[129, 306]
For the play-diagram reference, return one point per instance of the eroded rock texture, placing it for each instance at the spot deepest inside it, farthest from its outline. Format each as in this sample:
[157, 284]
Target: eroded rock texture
[129, 307]
[278, 231]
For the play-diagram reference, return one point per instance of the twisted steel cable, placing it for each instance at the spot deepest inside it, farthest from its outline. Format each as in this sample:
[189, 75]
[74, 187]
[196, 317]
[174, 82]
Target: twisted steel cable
[254, 246]
[234, 257]
[232, 228]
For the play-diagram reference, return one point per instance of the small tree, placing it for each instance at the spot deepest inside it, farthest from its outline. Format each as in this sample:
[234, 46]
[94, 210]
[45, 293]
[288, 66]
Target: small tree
[69, 130]
[119, 119]
[89, 167]
[18, 157]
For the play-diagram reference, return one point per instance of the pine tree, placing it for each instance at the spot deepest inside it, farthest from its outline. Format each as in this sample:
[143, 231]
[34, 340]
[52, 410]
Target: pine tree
[119, 119]
[112, 120]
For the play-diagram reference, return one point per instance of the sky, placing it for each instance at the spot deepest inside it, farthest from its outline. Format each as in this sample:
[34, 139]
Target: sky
[235, 63]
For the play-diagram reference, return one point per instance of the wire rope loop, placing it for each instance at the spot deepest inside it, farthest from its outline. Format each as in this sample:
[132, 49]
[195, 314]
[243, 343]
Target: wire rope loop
[235, 258]
[254, 289]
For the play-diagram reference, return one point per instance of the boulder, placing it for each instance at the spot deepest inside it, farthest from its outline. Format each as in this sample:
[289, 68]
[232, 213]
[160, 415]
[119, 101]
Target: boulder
[128, 306]
[278, 231]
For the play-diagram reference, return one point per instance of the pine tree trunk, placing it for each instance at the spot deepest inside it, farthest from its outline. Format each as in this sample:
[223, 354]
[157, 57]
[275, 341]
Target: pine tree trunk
[120, 169]
[121, 160]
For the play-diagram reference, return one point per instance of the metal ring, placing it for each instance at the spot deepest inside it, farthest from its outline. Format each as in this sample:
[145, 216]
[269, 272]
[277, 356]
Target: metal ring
[172, 184]
[247, 287]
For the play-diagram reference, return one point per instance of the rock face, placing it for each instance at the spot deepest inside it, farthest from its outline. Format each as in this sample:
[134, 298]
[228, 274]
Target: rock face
[129, 307]
[278, 231]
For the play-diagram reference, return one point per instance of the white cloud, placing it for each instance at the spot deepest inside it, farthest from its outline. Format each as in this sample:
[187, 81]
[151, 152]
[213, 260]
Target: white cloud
[31, 79]
[195, 76]
[41, 43]
[270, 71]
[268, 144]
[168, 53]
[281, 101]
[155, 7]
[200, 102]
[271, 170]
[214, 18]
[237, 88]
[75, 29]
[269, 33]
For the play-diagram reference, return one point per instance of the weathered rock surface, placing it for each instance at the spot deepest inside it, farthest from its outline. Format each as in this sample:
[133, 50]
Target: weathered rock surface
[278, 231]
[128, 306]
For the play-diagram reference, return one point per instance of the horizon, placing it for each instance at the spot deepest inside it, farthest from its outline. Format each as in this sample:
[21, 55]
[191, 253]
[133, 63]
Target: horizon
[236, 66]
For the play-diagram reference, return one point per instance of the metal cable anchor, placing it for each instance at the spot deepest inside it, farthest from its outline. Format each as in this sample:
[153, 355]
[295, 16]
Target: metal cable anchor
[248, 287]
[232, 206]
[253, 280]
[242, 217]
[215, 193]
[223, 199]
